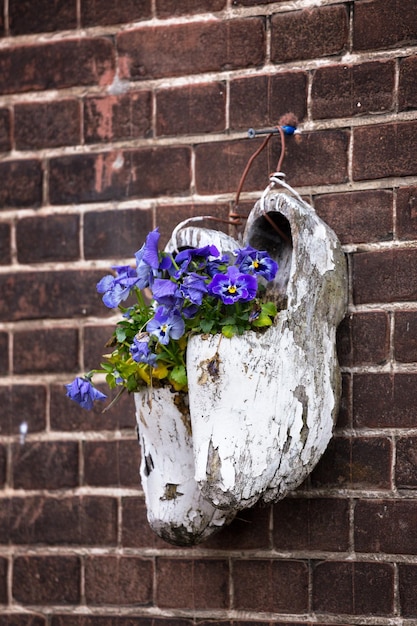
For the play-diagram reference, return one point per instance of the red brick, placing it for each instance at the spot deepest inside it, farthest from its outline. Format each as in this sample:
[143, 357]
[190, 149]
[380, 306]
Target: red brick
[27, 17]
[68, 416]
[205, 106]
[248, 531]
[57, 65]
[384, 150]
[136, 532]
[3, 581]
[406, 463]
[405, 336]
[57, 294]
[20, 619]
[47, 579]
[109, 12]
[5, 244]
[46, 125]
[119, 581]
[45, 465]
[111, 463]
[349, 90]
[112, 234]
[381, 24]
[183, 583]
[386, 526]
[169, 8]
[115, 118]
[363, 339]
[260, 101]
[270, 585]
[233, 44]
[384, 400]
[51, 521]
[385, 276]
[59, 231]
[407, 88]
[344, 419]
[21, 183]
[311, 524]
[118, 175]
[4, 353]
[5, 128]
[2, 18]
[407, 589]
[308, 34]
[3, 466]
[94, 344]
[358, 216]
[363, 463]
[14, 403]
[353, 588]
[407, 212]
[46, 350]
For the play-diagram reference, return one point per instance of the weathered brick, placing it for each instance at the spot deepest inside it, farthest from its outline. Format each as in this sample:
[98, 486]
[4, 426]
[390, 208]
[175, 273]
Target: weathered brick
[407, 212]
[45, 350]
[183, 583]
[33, 295]
[363, 463]
[260, 101]
[111, 463]
[46, 579]
[21, 184]
[94, 344]
[2, 18]
[383, 23]
[3, 466]
[57, 65]
[384, 150]
[311, 524]
[136, 532]
[407, 584]
[353, 588]
[51, 521]
[233, 44]
[377, 524]
[270, 585]
[169, 8]
[3, 580]
[120, 581]
[385, 276]
[307, 34]
[119, 620]
[384, 400]
[21, 619]
[112, 234]
[109, 12]
[118, 175]
[248, 531]
[67, 415]
[349, 90]
[22, 403]
[4, 353]
[358, 216]
[406, 463]
[27, 17]
[167, 217]
[46, 125]
[115, 118]
[363, 339]
[45, 465]
[5, 243]
[344, 419]
[405, 336]
[407, 88]
[205, 106]
[59, 231]
[5, 129]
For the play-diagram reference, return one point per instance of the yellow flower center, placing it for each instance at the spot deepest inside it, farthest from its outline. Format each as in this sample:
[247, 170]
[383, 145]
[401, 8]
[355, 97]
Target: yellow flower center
[232, 289]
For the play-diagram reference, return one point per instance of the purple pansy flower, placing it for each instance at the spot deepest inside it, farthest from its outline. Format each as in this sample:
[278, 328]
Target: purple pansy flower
[166, 292]
[193, 288]
[117, 288]
[184, 258]
[251, 261]
[140, 350]
[149, 261]
[82, 391]
[166, 325]
[233, 286]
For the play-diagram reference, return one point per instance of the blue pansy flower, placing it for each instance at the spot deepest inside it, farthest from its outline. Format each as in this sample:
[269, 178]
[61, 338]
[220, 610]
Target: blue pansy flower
[193, 288]
[117, 288]
[184, 258]
[166, 292]
[140, 350]
[82, 391]
[166, 325]
[233, 286]
[251, 261]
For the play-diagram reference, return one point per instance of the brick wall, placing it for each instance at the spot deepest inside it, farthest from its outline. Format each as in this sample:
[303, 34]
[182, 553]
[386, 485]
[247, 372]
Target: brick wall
[119, 116]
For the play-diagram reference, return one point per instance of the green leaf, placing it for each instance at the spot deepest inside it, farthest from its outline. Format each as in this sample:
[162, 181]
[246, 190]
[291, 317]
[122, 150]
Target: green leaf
[269, 308]
[120, 334]
[179, 374]
[206, 325]
[263, 320]
[230, 330]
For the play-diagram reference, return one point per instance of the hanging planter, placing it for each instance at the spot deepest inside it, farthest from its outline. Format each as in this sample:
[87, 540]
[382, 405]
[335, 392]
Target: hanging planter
[263, 405]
